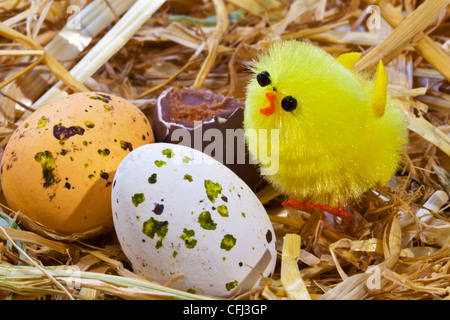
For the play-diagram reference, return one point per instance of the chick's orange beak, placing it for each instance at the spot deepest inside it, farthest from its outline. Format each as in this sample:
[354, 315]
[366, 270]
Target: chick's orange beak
[267, 111]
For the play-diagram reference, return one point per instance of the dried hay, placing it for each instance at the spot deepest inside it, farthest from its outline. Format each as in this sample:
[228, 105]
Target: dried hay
[398, 246]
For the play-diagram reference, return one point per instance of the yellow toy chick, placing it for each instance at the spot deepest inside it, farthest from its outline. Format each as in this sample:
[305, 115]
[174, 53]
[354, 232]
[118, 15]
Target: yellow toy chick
[339, 133]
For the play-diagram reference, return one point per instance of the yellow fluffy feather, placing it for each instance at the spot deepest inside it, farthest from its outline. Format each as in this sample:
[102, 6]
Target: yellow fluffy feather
[339, 133]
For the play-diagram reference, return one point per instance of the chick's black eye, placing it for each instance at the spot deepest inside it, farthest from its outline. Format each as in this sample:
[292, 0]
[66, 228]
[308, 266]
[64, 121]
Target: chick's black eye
[289, 103]
[263, 78]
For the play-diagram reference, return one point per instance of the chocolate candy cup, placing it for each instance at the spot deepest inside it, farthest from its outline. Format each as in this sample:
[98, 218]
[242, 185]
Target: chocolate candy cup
[197, 111]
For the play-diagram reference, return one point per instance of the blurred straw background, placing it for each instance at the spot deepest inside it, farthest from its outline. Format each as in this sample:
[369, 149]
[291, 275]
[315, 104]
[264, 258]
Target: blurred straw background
[399, 247]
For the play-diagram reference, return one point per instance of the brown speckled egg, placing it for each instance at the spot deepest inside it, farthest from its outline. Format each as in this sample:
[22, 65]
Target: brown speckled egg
[59, 165]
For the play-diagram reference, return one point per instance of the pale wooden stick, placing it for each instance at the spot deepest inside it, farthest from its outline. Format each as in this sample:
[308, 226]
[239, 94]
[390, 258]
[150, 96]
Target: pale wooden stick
[25, 14]
[58, 70]
[115, 39]
[428, 49]
[213, 43]
[403, 34]
[290, 275]
[21, 52]
[78, 33]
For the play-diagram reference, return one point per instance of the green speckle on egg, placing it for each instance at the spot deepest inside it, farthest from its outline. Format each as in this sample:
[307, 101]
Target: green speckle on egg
[231, 285]
[186, 159]
[26, 125]
[188, 177]
[67, 186]
[137, 199]
[89, 124]
[91, 177]
[243, 214]
[187, 238]
[42, 122]
[223, 210]
[190, 290]
[62, 142]
[107, 107]
[174, 254]
[212, 190]
[47, 162]
[168, 153]
[104, 152]
[152, 179]
[85, 143]
[228, 242]
[125, 145]
[103, 99]
[206, 222]
[153, 227]
[160, 163]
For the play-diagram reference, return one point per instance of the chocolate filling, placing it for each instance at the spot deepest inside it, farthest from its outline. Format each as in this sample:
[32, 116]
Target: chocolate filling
[187, 106]
[182, 108]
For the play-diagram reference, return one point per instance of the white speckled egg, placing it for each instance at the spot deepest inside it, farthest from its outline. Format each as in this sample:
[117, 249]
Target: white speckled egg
[179, 213]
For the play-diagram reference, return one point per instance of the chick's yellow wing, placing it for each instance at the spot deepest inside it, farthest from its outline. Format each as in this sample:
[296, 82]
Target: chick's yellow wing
[349, 59]
[379, 97]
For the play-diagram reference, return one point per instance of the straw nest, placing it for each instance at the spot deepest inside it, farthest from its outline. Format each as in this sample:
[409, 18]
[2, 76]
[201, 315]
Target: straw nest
[398, 246]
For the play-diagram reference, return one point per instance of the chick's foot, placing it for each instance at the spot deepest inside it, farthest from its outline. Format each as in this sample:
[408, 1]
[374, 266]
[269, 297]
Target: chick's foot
[342, 213]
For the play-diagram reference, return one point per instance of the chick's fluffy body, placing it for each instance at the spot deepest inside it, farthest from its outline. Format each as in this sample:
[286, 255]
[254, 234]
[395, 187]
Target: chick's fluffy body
[331, 148]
